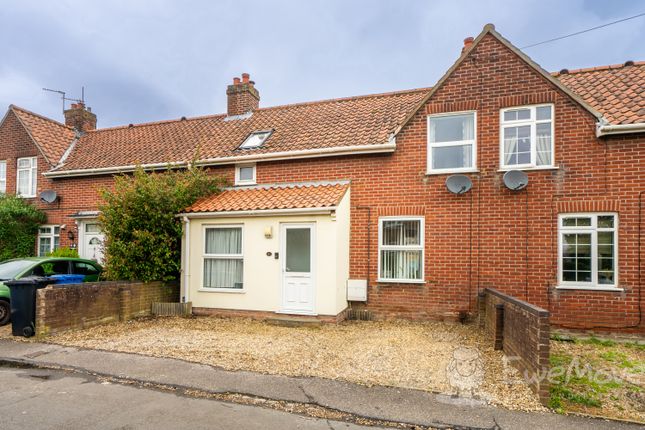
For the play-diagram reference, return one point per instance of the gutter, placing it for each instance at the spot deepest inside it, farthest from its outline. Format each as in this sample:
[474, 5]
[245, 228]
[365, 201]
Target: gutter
[258, 213]
[609, 129]
[388, 147]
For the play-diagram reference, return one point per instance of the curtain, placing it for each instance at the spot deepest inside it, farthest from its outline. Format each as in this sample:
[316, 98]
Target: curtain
[510, 146]
[400, 264]
[468, 127]
[543, 145]
[220, 271]
[224, 240]
[223, 273]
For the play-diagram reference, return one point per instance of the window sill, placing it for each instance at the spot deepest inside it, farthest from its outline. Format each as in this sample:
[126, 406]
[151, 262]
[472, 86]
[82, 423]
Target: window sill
[451, 172]
[400, 281]
[506, 169]
[222, 290]
[589, 288]
[245, 184]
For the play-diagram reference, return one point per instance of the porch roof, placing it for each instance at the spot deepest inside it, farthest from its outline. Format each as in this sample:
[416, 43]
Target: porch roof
[305, 195]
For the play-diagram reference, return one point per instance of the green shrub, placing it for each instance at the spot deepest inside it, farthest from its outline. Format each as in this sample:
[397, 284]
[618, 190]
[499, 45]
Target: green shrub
[19, 222]
[142, 233]
[64, 252]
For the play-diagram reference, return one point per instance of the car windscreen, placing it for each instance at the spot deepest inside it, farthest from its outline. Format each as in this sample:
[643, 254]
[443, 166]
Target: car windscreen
[11, 269]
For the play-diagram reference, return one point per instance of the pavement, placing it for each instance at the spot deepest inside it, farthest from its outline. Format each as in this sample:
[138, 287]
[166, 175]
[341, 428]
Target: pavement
[396, 405]
[81, 402]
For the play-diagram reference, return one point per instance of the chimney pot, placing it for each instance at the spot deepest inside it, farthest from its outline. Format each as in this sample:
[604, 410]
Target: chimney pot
[467, 42]
[242, 96]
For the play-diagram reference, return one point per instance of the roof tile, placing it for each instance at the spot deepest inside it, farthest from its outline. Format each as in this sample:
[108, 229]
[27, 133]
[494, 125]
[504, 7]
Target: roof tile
[275, 196]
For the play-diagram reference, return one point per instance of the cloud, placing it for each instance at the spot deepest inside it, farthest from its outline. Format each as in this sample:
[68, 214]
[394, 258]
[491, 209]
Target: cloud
[144, 61]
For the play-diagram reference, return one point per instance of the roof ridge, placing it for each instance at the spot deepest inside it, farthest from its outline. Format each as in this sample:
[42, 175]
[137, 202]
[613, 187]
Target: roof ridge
[598, 68]
[284, 106]
[27, 111]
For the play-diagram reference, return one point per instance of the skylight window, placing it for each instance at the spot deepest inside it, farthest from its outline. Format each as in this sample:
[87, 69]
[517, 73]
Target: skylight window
[255, 139]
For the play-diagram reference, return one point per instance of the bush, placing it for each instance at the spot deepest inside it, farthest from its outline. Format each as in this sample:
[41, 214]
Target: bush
[142, 233]
[19, 222]
[64, 252]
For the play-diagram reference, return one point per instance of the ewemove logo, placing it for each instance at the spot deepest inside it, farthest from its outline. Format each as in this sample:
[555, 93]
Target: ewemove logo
[465, 371]
[563, 374]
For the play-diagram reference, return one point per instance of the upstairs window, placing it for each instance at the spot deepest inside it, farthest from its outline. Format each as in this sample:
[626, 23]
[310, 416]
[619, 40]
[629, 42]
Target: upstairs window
[3, 176]
[27, 176]
[588, 250]
[451, 142]
[245, 174]
[256, 139]
[527, 137]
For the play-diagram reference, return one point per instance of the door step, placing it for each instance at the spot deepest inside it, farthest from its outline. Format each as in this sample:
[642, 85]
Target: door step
[284, 321]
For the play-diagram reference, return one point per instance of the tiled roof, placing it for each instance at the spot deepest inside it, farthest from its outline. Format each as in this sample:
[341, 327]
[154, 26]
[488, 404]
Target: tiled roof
[275, 196]
[355, 121]
[617, 91]
[51, 136]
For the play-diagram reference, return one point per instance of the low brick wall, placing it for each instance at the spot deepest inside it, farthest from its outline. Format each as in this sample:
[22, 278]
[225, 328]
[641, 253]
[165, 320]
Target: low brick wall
[78, 306]
[522, 331]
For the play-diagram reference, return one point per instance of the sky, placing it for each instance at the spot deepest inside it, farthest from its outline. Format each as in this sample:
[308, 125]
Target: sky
[143, 61]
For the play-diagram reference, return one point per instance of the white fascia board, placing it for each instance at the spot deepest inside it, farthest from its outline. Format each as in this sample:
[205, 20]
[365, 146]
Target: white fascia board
[259, 213]
[273, 156]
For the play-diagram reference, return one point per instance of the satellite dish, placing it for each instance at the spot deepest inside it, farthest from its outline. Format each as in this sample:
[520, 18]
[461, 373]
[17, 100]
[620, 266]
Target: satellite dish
[48, 196]
[515, 180]
[458, 184]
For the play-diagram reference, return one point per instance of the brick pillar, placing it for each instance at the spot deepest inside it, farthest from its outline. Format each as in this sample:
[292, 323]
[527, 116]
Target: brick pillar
[481, 305]
[125, 301]
[499, 326]
[544, 349]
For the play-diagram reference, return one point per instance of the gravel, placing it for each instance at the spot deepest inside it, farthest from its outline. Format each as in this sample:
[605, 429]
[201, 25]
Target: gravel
[394, 353]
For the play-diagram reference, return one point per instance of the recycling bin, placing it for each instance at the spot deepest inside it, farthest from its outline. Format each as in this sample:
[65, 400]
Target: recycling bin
[68, 279]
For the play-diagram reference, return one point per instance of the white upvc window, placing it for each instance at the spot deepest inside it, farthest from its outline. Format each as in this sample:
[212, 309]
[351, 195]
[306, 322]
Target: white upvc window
[245, 174]
[588, 250]
[452, 143]
[223, 257]
[401, 249]
[526, 135]
[3, 176]
[27, 176]
[48, 239]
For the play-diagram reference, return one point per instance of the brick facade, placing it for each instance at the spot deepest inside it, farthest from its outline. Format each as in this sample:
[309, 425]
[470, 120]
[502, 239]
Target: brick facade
[488, 237]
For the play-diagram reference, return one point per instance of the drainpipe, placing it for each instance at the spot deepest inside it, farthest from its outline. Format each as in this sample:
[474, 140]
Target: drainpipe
[186, 259]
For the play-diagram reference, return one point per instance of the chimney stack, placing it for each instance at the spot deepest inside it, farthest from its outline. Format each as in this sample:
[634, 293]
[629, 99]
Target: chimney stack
[242, 96]
[80, 117]
[467, 42]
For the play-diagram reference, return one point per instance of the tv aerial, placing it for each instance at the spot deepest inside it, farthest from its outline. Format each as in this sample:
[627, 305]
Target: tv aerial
[458, 184]
[516, 180]
[65, 98]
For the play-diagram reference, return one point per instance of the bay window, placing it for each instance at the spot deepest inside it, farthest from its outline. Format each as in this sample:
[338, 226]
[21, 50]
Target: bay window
[223, 258]
[588, 250]
[527, 137]
[401, 249]
[452, 142]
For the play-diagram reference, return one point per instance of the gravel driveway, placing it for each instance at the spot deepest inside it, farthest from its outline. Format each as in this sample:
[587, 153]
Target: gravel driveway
[394, 353]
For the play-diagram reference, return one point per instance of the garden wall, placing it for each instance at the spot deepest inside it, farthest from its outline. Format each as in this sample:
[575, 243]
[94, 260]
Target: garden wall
[78, 306]
[522, 331]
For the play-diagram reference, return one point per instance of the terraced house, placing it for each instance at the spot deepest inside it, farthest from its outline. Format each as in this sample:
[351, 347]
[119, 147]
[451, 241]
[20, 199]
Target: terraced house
[344, 203]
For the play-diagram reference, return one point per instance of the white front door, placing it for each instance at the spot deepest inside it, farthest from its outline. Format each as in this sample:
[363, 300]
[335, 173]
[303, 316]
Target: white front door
[298, 286]
[91, 241]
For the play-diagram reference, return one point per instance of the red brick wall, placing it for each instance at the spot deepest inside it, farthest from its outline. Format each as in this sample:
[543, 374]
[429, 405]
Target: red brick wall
[70, 307]
[478, 239]
[522, 331]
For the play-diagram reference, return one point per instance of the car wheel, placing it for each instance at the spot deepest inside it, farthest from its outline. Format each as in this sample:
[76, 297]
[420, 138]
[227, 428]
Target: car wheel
[5, 312]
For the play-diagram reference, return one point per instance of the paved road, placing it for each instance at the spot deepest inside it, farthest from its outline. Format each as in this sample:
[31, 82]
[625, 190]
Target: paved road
[48, 399]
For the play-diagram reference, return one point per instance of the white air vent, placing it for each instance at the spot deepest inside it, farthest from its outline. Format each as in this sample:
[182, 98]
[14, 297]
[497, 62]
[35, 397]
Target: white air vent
[357, 290]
